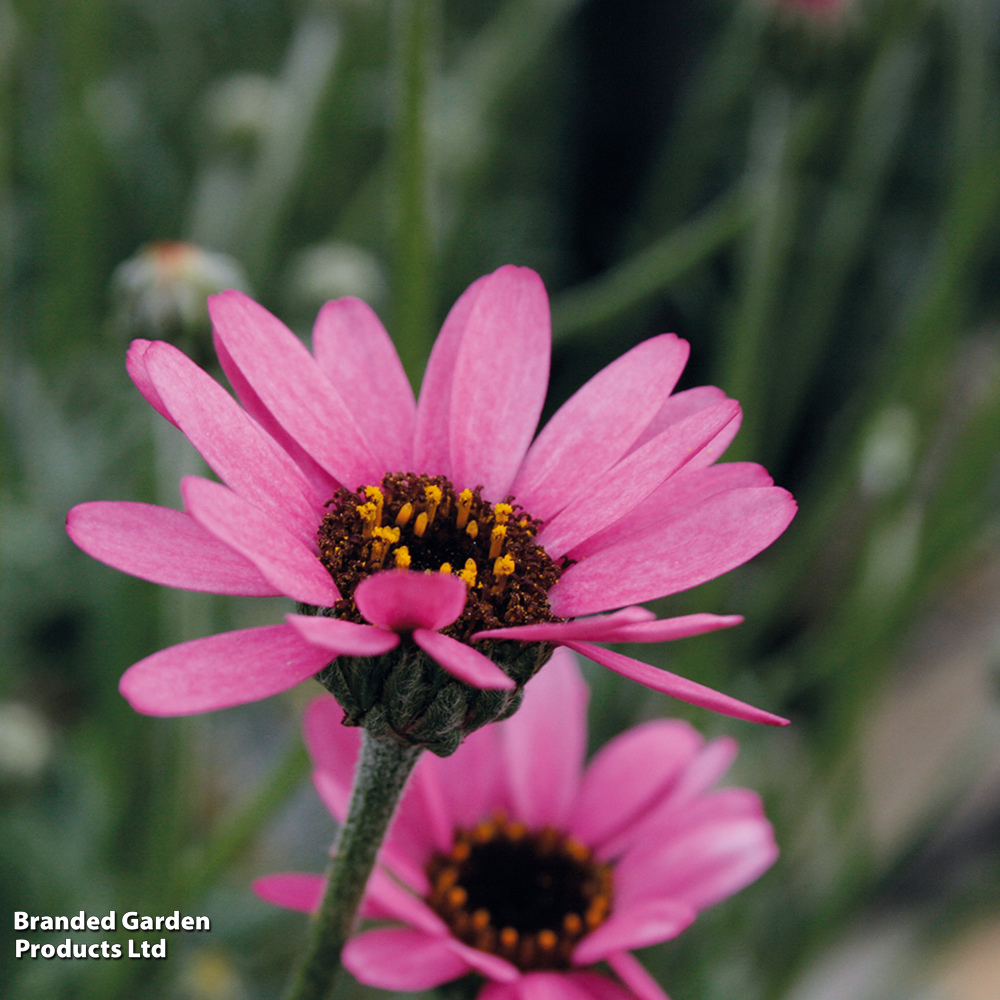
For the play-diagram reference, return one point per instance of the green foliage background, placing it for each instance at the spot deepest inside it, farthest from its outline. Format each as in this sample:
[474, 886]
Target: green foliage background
[812, 202]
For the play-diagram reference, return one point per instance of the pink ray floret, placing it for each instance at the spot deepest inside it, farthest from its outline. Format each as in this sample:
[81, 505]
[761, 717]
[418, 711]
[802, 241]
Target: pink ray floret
[624, 482]
[645, 805]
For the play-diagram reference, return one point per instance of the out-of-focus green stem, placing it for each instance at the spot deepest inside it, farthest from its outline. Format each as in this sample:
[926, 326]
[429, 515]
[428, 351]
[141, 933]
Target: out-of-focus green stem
[763, 259]
[239, 830]
[413, 264]
[884, 112]
[653, 269]
[378, 786]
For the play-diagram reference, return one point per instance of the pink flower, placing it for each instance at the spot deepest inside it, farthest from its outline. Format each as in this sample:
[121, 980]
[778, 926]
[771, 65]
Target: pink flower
[331, 472]
[511, 860]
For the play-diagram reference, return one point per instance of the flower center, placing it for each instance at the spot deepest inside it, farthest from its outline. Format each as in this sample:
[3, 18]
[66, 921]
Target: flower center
[528, 897]
[420, 523]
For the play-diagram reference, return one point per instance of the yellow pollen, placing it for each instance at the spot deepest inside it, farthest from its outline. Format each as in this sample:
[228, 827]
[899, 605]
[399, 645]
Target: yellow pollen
[572, 924]
[502, 512]
[484, 831]
[503, 566]
[547, 940]
[596, 912]
[367, 512]
[497, 536]
[461, 851]
[420, 525]
[457, 896]
[576, 850]
[445, 568]
[508, 938]
[464, 506]
[469, 573]
[516, 832]
[404, 515]
[383, 538]
[402, 555]
[376, 496]
[481, 919]
[434, 497]
[448, 879]
[472, 529]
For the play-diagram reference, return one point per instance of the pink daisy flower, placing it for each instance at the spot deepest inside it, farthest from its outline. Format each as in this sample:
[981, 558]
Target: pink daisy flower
[513, 861]
[440, 529]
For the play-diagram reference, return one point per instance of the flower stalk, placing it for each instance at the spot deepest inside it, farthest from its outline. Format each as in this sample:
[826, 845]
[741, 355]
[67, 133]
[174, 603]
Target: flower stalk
[383, 768]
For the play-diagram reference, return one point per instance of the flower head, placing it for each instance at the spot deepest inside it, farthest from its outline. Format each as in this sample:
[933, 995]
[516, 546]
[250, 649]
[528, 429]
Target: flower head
[511, 860]
[432, 533]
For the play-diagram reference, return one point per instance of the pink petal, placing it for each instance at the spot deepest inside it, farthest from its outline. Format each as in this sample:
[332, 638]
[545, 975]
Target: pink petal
[609, 628]
[223, 670]
[398, 958]
[293, 388]
[322, 483]
[634, 975]
[707, 862]
[343, 637]
[690, 486]
[422, 824]
[548, 986]
[461, 661]
[281, 558]
[632, 480]
[500, 378]
[706, 541]
[334, 749]
[135, 364]
[544, 744]
[491, 966]
[679, 407]
[233, 445]
[396, 901]
[675, 686]
[164, 546]
[399, 600]
[432, 443]
[636, 926]
[629, 776]
[292, 890]
[470, 781]
[355, 353]
[595, 428]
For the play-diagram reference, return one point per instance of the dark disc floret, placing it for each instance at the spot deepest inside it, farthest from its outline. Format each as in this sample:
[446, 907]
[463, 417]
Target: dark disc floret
[528, 896]
[421, 523]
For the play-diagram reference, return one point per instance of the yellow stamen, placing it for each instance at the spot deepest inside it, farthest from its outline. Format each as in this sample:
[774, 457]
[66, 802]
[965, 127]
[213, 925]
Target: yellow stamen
[547, 940]
[576, 850]
[445, 568]
[461, 851]
[404, 515]
[402, 555]
[384, 537]
[502, 512]
[420, 524]
[448, 879]
[472, 529]
[469, 573]
[376, 496]
[503, 566]
[497, 536]
[367, 512]
[457, 896]
[508, 938]
[572, 924]
[434, 497]
[481, 919]
[464, 506]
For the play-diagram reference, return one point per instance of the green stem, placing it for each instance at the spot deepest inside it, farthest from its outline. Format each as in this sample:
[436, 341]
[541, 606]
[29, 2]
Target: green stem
[378, 786]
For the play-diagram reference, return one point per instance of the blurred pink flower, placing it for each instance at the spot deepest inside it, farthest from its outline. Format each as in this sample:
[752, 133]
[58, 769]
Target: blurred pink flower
[331, 472]
[512, 860]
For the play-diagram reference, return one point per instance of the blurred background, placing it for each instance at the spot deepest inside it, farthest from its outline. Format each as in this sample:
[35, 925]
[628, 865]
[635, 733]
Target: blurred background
[806, 190]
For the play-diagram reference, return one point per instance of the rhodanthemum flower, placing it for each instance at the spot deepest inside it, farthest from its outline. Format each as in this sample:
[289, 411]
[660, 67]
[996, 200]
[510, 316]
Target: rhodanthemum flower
[511, 860]
[440, 531]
